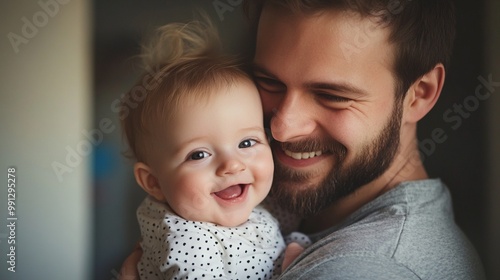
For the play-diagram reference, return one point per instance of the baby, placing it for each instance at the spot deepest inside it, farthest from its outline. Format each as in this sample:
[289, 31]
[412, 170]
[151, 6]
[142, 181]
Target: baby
[196, 133]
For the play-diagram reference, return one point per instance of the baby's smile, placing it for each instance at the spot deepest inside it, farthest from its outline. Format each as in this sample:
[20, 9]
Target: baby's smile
[233, 193]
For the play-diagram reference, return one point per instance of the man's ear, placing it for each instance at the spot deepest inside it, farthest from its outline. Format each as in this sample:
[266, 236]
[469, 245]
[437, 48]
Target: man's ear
[424, 93]
[148, 181]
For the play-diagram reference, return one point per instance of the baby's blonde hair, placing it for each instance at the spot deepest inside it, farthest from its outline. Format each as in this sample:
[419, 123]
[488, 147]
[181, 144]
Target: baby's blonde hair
[183, 63]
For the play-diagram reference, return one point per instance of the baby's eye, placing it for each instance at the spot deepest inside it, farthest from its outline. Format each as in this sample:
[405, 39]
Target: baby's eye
[198, 155]
[247, 143]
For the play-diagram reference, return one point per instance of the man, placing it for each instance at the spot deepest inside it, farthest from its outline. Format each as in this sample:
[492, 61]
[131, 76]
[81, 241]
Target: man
[343, 85]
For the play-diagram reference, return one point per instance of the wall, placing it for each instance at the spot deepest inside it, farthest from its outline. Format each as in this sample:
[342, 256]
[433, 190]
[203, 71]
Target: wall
[492, 61]
[45, 95]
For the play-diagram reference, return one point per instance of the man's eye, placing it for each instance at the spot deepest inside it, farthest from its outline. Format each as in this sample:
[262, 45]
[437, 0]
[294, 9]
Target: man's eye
[332, 98]
[247, 143]
[198, 155]
[269, 85]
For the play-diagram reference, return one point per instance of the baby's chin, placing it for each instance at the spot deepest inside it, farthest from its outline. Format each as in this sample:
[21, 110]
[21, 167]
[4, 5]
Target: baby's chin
[233, 221]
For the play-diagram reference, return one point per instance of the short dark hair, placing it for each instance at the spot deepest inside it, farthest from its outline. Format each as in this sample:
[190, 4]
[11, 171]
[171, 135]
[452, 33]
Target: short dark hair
[423, 31]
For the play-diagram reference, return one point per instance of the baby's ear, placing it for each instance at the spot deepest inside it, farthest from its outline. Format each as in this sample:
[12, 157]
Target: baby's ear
[147, 181]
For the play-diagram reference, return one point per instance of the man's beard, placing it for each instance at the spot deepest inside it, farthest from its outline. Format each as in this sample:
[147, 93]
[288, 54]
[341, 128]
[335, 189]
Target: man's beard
[292, 190]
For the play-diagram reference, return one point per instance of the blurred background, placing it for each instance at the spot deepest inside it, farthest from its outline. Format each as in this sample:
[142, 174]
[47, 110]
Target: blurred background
[64, 65]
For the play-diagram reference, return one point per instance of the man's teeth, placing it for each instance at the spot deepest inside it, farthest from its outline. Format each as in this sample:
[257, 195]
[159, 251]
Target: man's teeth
[302, 155]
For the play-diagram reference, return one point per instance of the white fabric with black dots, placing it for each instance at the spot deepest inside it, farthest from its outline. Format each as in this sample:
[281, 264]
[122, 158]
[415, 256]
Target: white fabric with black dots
[175, 248]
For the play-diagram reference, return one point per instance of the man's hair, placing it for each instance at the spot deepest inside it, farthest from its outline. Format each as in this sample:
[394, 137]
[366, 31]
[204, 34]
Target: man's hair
[183, 63]
[422, 31]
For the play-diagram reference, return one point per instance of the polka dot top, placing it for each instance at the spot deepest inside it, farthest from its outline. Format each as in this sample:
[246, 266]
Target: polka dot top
[174, 248]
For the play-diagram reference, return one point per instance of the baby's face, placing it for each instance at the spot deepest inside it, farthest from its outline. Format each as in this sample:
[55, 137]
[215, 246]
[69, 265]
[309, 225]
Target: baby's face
[216, 164]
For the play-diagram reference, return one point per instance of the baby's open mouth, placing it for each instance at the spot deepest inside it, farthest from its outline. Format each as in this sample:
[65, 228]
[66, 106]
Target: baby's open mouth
[231, 192]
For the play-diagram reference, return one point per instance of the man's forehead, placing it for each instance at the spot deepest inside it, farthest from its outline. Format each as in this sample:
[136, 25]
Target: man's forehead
[335, 27]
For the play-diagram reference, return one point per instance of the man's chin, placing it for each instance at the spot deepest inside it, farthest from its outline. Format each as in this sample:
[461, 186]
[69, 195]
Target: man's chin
[304, 199]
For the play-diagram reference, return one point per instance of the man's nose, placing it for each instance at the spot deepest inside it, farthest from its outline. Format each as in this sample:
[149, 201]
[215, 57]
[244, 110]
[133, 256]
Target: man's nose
[292, 118]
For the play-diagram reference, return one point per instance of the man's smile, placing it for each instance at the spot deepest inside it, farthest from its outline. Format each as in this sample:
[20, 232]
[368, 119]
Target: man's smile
[302, 155]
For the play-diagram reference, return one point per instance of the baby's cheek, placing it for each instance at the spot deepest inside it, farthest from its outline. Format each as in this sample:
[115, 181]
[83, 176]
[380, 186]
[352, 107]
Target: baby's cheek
[190, 199]
[265, 168]
[199, 201]
[195, 206]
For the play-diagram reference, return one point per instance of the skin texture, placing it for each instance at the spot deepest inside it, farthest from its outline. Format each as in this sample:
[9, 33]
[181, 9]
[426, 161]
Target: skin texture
[208, 147]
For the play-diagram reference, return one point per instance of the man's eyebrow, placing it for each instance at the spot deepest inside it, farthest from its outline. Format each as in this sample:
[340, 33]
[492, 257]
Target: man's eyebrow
[257, 68]
[338, 87]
